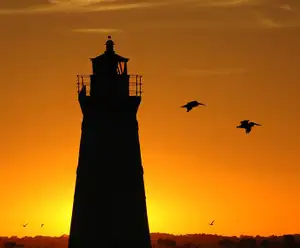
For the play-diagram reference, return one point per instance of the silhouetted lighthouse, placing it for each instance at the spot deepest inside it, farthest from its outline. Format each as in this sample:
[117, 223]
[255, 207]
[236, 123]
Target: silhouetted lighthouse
[109, 207]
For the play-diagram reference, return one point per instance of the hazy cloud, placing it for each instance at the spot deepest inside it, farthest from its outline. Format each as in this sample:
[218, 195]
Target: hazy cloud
[284, 4]
[215, 71]
[97, 30]
[108, 5]
[270, 23]
[282, 16]
[78, 2]
[242, 14]
[286, 7]
[80, 6]
[224, 3]
[251, 13]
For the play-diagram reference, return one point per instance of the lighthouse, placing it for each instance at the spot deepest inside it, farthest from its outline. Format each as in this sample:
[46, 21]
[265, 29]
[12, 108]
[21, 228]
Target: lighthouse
[109, 208]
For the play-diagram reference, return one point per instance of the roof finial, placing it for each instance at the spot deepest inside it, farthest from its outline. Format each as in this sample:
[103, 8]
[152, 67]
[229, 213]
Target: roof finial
[109, 45]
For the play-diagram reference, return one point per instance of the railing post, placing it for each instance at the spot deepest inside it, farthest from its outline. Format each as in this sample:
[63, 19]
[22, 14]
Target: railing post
[78, 85]
[82, 81]
[140, 85]
[136, 85]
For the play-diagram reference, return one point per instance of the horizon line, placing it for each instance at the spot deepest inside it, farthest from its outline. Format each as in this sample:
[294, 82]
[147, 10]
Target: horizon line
[163, 233]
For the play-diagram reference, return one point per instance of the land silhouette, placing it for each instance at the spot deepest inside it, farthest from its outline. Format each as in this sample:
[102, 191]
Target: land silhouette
[164, 240]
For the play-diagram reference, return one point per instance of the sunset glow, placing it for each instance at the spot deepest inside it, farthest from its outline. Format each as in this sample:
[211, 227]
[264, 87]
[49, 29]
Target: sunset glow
[241, 58]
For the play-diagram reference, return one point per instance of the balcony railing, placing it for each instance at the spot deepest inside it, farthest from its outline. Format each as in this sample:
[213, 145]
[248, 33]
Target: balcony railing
[135, 84]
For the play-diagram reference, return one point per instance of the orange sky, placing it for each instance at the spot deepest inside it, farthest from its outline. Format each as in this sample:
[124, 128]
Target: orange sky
[241, 58]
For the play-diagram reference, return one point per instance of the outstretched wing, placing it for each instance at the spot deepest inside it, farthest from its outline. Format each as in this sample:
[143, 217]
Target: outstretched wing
[244, 122]
[255, 124]
[192, 104]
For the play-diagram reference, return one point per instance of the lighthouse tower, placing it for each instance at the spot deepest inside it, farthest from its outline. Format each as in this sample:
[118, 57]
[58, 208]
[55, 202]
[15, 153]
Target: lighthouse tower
[109, 207]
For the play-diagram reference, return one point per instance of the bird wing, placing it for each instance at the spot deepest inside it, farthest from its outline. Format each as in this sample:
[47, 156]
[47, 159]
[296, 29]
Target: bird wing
[248, 130]
[193, 103]
[244, 122]
[212, 222]
[255, 124]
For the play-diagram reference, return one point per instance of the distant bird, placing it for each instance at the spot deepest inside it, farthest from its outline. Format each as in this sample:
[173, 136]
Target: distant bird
[42, 225]
[212, 223]
[190, 105]
[25, 225]
[247, 125]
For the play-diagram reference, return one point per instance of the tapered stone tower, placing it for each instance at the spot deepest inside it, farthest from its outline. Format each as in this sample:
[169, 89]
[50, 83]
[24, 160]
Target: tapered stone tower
[109, 207]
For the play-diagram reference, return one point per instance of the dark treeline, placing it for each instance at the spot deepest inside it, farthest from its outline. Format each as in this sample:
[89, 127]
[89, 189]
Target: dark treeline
[162, 240]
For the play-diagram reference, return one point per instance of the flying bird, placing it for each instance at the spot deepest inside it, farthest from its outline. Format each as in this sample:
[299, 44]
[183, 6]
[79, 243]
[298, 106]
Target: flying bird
[247, 125]
[42, 225]
[25, 225]
[190, 105]
[212, 223]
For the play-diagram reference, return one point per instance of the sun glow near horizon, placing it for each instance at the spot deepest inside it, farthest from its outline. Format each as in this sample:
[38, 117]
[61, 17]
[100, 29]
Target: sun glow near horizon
[197, 165]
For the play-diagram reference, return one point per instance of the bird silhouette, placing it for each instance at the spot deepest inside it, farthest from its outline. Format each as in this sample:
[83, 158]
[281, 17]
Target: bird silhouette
[212, 223]
[42, 225]
[190, 105]
[25, 225]
[247, 125]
